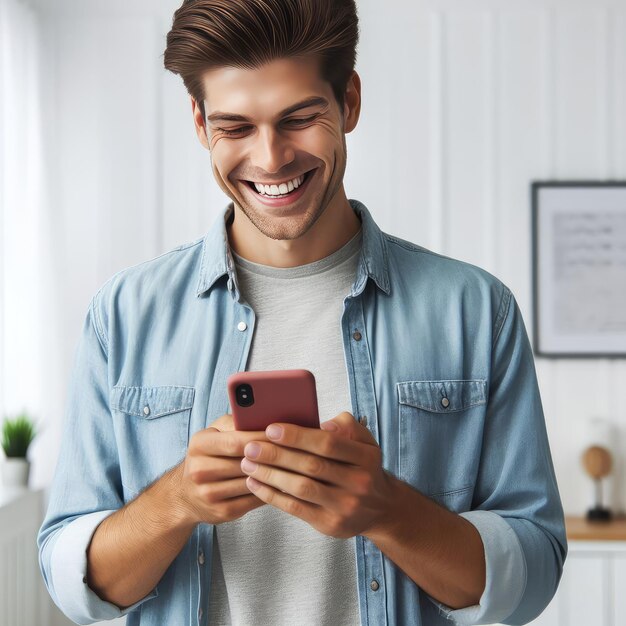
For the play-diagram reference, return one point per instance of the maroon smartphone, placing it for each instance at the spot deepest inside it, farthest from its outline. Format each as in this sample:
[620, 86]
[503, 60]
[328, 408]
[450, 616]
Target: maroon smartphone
[258, 399]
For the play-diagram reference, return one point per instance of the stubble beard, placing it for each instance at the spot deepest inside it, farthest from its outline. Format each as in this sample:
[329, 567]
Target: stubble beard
[295, 226]
[298, 224]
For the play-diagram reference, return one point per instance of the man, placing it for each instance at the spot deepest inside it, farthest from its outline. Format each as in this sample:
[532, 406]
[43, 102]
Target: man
[432, 499]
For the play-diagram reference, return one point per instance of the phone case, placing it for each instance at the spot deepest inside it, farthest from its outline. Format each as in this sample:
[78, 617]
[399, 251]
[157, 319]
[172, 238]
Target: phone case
[278, 396]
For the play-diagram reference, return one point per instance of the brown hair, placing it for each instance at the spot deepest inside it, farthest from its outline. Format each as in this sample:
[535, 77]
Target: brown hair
[208, 34]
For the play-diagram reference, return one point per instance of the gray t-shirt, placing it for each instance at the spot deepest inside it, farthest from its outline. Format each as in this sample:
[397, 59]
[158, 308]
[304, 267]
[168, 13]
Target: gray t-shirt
[271, 568]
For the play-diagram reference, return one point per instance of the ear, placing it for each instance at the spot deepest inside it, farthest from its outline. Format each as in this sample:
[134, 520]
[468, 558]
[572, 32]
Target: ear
[352, 103]
[199, 123]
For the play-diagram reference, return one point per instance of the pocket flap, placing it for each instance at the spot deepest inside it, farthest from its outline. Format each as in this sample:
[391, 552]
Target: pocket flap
[151, 402]
[442, 396]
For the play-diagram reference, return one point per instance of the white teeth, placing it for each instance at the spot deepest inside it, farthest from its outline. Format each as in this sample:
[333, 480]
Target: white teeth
[278, 190]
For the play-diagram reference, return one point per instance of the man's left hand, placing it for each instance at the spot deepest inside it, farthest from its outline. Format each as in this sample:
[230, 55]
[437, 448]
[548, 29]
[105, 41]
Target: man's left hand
[331, 479]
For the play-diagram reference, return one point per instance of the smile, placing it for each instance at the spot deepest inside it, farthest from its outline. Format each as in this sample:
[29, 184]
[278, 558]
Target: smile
[277, 189]
[283, 193]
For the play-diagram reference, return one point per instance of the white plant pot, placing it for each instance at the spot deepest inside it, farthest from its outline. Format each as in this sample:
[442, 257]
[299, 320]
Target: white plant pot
[15, 472]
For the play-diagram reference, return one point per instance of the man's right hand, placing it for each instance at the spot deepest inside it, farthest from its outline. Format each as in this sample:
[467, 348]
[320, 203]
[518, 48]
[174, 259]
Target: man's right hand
[212, 484]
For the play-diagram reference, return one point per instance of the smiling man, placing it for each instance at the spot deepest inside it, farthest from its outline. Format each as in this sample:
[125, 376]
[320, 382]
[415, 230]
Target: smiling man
[428, 495]
[283, 166]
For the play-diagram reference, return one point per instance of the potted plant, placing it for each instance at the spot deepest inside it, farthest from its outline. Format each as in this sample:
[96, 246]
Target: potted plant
[17, 435]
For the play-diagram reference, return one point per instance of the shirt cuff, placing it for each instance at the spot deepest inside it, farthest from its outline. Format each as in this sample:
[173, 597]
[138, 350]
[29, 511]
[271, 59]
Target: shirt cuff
[505, 572]
[68, 566]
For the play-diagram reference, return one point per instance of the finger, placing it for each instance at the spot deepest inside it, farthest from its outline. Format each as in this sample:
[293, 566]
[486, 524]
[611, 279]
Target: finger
[224, 490]
[223, 423]
[208, 469]
[230, 443]
[238, 507]
[349, 426]
[327, 471]
[296, 485]
[323, 443]
[306, 511]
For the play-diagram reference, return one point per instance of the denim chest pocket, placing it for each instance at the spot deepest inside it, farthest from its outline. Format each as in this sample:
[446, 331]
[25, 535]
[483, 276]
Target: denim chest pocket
[440, 429]
[152, 431]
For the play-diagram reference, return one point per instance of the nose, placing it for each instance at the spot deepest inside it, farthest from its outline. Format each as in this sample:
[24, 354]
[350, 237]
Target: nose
[271, 151]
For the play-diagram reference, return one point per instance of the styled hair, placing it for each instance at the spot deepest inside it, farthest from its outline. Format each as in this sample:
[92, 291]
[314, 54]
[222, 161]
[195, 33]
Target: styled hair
[208, 34]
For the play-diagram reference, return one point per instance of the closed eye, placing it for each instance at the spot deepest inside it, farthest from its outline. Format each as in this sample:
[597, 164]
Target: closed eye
[296, 122]
[303, 120]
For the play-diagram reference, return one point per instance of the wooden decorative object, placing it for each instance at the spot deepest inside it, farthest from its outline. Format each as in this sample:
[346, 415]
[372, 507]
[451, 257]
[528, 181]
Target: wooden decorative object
[598, 463]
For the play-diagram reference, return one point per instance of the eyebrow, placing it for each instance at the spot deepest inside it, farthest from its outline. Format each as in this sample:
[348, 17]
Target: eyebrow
[232, 117]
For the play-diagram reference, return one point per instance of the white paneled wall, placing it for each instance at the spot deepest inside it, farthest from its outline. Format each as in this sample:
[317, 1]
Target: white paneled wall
[464, 103]
[21, 206]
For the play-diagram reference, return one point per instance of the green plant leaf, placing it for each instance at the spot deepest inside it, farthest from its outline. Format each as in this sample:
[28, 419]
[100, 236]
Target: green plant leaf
[17, 435]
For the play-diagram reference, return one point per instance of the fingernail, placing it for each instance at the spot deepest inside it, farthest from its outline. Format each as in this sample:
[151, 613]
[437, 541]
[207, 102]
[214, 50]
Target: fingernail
[274, 431]
[247, 465]
[329, 426]
[253, 485]
[252, 450]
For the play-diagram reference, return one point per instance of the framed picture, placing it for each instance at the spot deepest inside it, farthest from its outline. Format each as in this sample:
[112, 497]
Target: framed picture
[579, 268]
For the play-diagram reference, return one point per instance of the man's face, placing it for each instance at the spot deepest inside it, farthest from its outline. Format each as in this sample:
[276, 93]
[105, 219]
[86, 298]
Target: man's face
[272, 146]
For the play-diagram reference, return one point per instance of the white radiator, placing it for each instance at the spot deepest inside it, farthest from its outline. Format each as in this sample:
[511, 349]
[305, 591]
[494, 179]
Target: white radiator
[21, 587]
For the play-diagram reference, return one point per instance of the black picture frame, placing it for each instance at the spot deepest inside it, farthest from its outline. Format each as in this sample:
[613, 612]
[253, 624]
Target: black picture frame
[600, 207]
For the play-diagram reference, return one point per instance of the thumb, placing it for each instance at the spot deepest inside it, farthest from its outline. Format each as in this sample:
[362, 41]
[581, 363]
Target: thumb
[346, 424]
[343, 422]
[223, 423]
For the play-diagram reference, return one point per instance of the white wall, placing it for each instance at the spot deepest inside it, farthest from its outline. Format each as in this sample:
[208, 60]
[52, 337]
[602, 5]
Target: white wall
[22, 207]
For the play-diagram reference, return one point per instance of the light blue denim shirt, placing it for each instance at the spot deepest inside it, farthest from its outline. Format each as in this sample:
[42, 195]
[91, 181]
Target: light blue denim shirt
[441, 366]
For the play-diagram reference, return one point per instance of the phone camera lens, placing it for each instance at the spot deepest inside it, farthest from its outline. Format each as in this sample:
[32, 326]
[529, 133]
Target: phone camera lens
[244, 395]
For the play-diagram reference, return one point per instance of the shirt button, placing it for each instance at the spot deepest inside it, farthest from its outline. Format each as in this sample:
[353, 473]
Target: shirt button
[242, 326]
[84, 579]
[201, 558]
[146, 410]
[357, 335]
[445, 402]
[230, 284]
[200, 612]
[363, 420]
[374, 585]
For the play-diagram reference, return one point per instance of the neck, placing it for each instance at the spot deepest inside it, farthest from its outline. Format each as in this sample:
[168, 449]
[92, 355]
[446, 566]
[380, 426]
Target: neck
[332, 230]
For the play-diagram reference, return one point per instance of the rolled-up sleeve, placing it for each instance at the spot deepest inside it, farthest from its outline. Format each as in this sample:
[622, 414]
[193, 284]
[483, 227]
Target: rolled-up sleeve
[505, 572]
[516, 506]
[86, 486]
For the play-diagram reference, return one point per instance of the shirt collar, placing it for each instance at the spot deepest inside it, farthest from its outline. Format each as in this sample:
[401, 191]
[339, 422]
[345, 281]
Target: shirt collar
[218, 261]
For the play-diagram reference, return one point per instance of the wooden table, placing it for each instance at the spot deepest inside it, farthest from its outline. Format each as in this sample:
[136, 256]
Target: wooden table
[581, 529]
